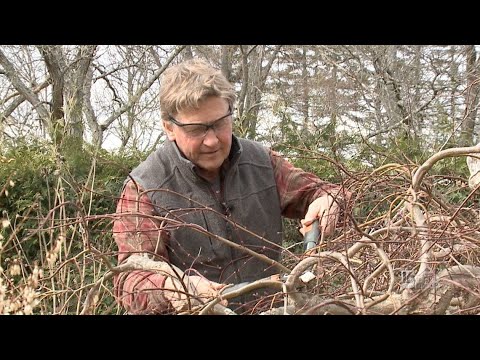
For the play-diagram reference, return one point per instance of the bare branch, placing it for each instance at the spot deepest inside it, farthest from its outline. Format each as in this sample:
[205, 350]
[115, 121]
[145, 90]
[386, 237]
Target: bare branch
[28, 94]
[142, 90]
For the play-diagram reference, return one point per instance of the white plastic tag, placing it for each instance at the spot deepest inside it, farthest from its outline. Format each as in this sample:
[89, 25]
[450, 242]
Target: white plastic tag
[307, 276]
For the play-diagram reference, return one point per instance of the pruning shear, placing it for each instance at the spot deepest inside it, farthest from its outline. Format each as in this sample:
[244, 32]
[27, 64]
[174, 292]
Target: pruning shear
[310, 240]
[312, 234]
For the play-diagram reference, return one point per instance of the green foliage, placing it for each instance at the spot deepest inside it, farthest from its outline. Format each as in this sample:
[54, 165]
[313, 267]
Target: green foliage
[451, 179]
[456, 165]
[291, 236]
[55, 196]
[28, 174]
[86, 179]
[310, 147]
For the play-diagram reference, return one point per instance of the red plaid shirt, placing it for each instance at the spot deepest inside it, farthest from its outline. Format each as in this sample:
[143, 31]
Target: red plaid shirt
[140, 291]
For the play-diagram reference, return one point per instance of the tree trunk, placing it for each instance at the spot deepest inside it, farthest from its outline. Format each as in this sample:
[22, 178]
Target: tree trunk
[53, 57]
[471, 101]
[227, 60]
[305, 102]
[254, 77]
[77, 84]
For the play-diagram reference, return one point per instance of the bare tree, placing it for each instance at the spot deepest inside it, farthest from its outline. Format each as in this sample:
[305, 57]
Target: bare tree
[471, 96]
[133, 96]
[254, 77]
[23, 90]
[70, 95]
[374, 93]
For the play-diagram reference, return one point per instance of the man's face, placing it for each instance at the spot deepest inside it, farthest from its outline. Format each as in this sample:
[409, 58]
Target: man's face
[206, 150]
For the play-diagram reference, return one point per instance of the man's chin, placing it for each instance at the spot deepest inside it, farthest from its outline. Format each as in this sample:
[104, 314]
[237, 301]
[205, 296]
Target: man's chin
[211, 161]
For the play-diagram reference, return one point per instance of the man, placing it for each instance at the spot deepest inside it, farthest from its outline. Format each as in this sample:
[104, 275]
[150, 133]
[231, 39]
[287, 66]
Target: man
[201, 189]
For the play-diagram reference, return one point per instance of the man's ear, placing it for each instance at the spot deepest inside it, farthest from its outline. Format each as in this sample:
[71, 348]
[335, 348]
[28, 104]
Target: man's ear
[168, 128]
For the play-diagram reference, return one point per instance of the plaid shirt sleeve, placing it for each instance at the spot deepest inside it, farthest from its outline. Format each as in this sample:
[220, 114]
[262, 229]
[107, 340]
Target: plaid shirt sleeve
[297, 188]
[139, 291]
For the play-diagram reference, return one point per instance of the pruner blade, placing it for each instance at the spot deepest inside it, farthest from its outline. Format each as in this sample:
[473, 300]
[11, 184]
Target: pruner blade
[310, 239]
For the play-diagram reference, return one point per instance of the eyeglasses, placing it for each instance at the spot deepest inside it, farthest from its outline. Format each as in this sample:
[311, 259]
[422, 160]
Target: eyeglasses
[199, 130]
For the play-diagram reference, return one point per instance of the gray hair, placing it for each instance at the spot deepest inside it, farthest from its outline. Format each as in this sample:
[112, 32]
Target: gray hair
[185, 85]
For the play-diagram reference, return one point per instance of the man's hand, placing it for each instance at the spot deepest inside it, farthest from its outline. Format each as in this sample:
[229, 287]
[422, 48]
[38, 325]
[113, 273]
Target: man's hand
[324, 208]
[200, 290]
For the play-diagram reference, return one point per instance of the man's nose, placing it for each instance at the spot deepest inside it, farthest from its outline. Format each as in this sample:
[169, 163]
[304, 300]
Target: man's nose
[210, 137]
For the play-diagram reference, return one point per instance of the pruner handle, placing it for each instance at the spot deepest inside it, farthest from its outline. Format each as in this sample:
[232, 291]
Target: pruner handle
[310, 239]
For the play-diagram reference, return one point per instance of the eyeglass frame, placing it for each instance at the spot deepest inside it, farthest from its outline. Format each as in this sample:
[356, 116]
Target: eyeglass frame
[208, 127]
